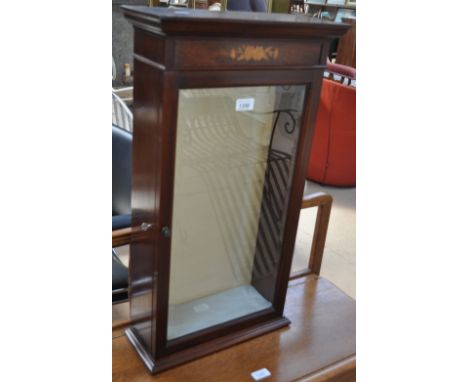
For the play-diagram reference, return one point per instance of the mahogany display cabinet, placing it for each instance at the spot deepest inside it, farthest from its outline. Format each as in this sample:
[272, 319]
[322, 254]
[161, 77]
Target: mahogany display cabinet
[224, 111]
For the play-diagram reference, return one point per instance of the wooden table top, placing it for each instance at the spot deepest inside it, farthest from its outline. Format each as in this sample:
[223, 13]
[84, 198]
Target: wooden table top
[319, 345]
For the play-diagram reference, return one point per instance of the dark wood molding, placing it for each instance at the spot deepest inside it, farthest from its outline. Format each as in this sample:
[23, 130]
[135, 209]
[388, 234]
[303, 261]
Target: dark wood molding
[142, 352]
[174, 22]
[203, 349]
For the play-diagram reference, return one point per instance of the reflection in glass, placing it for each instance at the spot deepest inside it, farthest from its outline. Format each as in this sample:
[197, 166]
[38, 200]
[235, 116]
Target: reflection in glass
[235, 151]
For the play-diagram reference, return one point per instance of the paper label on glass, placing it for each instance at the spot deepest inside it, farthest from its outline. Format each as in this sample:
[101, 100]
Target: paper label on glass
[245, 104]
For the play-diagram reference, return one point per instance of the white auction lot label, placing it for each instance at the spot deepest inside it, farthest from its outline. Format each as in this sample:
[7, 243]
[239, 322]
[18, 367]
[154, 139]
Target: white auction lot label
[257, 375]
[245, 104]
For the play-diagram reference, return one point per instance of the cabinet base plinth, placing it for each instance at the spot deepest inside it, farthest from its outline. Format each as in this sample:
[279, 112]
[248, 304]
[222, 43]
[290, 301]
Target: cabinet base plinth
[166, 362]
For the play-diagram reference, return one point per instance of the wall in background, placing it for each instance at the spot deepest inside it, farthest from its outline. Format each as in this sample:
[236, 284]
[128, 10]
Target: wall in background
[122, 38]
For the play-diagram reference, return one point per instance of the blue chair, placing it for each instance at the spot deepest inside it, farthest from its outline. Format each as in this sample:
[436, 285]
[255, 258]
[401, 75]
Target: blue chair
[121, 207]
[121, 114]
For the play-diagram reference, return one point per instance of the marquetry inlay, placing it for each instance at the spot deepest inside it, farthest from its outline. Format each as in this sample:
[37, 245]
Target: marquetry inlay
[253, 53]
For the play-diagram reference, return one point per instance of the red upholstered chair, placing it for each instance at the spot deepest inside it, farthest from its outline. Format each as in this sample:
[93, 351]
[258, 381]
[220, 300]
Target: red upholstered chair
[333, 154]
[344, 70]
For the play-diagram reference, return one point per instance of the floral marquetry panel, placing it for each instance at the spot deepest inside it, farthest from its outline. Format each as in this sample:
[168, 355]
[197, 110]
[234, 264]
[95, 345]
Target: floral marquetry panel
[255, 53]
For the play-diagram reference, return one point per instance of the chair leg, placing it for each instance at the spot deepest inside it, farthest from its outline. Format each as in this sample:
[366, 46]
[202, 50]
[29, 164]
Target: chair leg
[115, 256]
[122, 291]
[324, 203]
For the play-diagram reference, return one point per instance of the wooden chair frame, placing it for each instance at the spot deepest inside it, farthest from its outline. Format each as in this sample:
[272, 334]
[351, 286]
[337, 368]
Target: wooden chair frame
[324, 203]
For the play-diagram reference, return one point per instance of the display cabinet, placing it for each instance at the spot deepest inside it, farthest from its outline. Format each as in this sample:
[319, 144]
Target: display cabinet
[224, 110]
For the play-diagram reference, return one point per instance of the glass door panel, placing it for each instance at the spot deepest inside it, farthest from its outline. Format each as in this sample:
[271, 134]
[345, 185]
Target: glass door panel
[235, 150]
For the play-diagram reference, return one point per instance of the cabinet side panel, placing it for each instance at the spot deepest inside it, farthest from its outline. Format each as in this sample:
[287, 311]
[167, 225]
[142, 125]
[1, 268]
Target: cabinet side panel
[145, 199]
[149, 46]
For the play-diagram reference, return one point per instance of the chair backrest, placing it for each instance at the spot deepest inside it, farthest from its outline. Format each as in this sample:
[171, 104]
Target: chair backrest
[121, 114]
[121, 171]
[247, 5]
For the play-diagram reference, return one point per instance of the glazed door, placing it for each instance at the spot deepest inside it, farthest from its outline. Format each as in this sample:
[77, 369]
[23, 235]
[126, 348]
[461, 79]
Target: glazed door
[234, 164]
